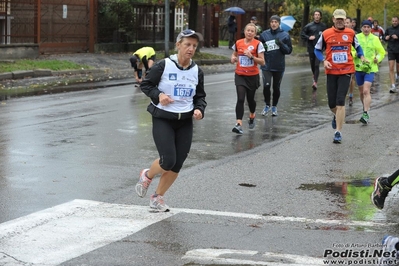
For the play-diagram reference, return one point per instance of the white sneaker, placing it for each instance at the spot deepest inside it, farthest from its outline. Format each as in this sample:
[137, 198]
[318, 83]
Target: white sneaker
[390, 244]
[143, 184]
[393, 89]
[158, 203]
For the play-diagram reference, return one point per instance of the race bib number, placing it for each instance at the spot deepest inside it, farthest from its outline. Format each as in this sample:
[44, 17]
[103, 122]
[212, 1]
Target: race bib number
[271, 45]
[183, 92]
[340, 57]
[245, 61]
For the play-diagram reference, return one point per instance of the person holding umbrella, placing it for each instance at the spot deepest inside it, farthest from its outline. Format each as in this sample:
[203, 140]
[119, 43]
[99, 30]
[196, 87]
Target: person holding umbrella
[277, 44]
[232, 27]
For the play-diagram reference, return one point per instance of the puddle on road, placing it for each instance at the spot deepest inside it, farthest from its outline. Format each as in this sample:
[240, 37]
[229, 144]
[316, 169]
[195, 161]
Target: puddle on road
[353, 197]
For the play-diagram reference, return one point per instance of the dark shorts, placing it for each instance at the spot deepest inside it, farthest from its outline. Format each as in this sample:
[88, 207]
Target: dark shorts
[393, 56]
[250, 82]
[145, 61]
[133, 61]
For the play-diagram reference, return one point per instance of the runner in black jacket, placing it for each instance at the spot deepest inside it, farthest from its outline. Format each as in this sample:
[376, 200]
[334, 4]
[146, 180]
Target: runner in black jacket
[277, 44]
[311, 33]
[391, 36]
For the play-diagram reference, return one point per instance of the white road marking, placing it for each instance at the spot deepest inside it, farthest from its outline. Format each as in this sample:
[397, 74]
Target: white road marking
[287, 218]
[221, 257]
[66, 231]
[58, 234]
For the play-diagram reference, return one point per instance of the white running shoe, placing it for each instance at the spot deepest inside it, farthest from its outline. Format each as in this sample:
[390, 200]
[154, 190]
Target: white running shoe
[143, 184]
[391, 245]
[158, 203]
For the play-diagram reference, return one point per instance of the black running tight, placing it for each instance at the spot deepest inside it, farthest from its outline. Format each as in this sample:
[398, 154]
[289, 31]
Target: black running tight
[267, 81]
[337, 89]
[314, 65]
[173, 141]
[241, 92]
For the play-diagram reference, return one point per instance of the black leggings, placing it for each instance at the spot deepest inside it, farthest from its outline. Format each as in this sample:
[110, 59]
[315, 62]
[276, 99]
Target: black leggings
[173, 141]
[267, 80]
[241, 92]
[337, 88]
[314, 65]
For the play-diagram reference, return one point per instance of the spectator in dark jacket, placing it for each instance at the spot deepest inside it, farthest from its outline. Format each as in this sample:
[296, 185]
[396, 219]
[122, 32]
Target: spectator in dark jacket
[277, 44]
[254, 20]
[232, 27]
[310, 34]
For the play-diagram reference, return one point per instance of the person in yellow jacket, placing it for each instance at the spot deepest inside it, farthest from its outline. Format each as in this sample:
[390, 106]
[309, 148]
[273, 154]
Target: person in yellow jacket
[374, 52]
[144, 56]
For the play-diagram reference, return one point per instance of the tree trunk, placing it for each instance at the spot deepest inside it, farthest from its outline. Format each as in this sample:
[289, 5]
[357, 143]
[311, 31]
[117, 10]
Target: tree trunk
[266, 15]
[193, 18]
[192, 15]
[305, 20]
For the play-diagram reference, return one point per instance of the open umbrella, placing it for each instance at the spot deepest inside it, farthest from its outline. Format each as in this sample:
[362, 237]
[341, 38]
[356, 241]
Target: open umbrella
[287, 23]
[236, 10]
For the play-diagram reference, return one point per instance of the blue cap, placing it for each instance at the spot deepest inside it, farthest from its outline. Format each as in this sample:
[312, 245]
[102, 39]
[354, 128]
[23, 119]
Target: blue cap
[367, 22]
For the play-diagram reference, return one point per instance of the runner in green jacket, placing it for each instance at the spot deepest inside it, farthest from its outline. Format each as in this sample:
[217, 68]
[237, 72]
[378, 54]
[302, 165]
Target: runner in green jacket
[374, 52]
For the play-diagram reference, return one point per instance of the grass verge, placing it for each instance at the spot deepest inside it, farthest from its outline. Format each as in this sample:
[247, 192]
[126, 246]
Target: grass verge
[24, 64]
[57, 65]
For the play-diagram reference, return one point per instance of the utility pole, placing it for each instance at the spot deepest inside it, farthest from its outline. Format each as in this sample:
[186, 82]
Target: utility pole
[167, 26]
[266, 14]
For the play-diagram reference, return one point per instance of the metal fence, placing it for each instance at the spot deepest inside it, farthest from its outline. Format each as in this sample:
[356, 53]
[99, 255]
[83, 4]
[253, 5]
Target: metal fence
[121, 22]
[17, 24]
[56, 25]
[76, 25]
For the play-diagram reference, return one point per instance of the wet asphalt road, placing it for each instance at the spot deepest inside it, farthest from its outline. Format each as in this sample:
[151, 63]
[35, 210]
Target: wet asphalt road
[107, 132]
[91, 145]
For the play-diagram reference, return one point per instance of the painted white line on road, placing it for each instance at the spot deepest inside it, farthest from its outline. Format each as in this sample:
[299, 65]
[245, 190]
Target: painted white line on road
[66, 231]
[58, 234]
[221, 257]
[288, 219]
